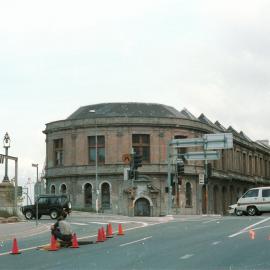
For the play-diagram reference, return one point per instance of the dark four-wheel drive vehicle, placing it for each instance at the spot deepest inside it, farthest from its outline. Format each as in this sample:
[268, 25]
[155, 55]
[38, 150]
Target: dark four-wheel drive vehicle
[52, 205]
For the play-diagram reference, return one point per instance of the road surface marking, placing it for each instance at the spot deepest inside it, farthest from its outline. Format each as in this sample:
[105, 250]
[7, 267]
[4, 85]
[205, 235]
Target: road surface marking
[133, 242]
[244, 230]
[77, 223]
[100, 223]
[212, 220]
[187, 256]
[216, 243]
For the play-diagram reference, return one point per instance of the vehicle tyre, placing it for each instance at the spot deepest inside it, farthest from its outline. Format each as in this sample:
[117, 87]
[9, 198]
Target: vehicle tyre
[54, 214]
[238, 212]
[28, 214]
[252, 210]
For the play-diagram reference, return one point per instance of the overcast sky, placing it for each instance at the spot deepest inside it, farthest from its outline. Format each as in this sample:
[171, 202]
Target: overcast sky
[209, 56]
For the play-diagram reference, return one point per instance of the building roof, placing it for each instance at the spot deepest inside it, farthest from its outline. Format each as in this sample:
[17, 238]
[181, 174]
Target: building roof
[130, 109]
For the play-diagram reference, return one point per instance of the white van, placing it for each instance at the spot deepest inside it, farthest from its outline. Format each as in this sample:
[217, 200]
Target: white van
[255, 201]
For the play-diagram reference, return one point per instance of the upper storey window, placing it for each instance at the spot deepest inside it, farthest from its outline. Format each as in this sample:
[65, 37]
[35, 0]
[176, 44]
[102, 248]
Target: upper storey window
[96, 149]
[58, 152]
[141, 146]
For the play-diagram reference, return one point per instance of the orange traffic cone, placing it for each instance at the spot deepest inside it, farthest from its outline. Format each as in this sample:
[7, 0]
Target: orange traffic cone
[53, 246]
[120, 230]
[110, 229]
[103, 234]
[108, 232]
[75, 243]
[100, 236]
[15, 249]
[252, 234]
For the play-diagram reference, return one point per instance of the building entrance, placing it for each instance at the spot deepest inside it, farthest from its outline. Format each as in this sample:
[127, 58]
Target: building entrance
[142, 207]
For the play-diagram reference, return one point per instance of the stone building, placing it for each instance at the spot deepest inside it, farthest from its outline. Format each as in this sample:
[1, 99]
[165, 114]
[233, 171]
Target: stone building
[71, 166]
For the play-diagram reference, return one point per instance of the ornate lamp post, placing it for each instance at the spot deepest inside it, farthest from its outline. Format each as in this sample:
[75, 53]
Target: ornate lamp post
[6, 145]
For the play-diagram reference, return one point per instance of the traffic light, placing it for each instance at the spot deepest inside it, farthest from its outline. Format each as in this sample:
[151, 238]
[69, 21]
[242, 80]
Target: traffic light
[137, 161]
[180, 167]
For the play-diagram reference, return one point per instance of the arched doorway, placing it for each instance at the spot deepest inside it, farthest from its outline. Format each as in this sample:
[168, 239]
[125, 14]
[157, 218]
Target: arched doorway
[105, 196]
[52, 189]
[224, 200]
[63, 189]
[142, 207]
[88, 195]
[204, 200]
[232, 199]
[215, 200]
[188, 195]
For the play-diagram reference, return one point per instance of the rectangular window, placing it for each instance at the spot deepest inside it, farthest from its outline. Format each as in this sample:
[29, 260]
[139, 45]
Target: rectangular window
[141, 146]
[93, 147]
[256, 166]
[58, 152]
[250, 165]
[244, 164]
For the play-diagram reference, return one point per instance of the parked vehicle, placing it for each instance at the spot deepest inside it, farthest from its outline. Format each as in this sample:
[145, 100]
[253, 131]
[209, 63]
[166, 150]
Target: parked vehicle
[255, 201]
[51, 205]
[234, 211]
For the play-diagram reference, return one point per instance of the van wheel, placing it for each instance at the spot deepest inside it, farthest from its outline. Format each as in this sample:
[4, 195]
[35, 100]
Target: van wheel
[252, 211]
[238, 212]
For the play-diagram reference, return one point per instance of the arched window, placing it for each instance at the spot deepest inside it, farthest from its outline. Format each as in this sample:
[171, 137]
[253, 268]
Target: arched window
[52, 189]
[63, 189]
[88, 195]
[215, 199]
[188, 195]
[105, 196]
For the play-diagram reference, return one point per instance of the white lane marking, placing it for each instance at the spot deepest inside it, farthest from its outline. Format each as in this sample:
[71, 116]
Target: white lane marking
[77, 223]
[208, 221]
[187, 256]
[132, 221]
[216, 243]
[248, 227]
[100, 223]
[133, 242]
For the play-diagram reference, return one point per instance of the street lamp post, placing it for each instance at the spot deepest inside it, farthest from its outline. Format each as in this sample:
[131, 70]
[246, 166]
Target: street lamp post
[96, 161]
[37, 192]
[6, 145]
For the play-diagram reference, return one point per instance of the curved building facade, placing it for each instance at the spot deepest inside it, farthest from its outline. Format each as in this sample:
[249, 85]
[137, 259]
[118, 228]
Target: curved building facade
[87, 154]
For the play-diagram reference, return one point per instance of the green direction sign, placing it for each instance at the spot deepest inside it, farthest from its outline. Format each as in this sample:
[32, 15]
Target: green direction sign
[207, 155]
[178, 143]
[218, 141]
[208, 141]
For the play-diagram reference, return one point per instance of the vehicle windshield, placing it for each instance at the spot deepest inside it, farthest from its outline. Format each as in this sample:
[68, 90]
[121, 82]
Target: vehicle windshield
[251, 193]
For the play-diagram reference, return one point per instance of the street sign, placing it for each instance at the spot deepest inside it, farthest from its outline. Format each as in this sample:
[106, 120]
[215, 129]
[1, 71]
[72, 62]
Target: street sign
[126, 158]
[1, 159]
[207, 155]
[201, 179]
[208, 141]
[178, 143]
[218, 141]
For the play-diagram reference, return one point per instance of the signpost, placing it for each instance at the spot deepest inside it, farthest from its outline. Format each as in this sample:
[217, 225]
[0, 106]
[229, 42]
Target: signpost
[201, 178]
[207, 142]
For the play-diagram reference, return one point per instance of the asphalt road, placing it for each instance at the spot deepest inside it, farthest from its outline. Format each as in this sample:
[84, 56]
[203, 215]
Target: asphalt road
[194, 242]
